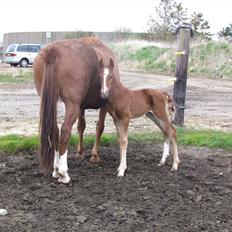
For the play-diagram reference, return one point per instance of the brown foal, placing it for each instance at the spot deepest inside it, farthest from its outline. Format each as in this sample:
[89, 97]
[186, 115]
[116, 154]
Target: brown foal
[125, 104]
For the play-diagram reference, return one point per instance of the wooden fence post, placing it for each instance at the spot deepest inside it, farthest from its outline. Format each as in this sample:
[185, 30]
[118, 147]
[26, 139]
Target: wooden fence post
[179, 90]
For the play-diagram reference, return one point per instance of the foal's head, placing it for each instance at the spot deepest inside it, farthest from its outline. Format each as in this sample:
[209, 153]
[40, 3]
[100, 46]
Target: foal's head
[106, 77]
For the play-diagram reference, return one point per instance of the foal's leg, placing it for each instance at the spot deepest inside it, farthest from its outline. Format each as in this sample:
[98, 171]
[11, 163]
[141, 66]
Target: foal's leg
[99, 130]
[162, 126]
[169, 132]
[122, 131]
[70, 118]
[81, 127]
[165, 150]
[173, 137]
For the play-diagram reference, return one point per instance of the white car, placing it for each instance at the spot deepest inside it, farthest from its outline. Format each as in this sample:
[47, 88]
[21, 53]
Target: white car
[22, 54]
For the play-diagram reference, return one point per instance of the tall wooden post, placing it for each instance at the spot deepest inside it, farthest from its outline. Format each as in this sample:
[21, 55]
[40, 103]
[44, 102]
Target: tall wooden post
[179, 91]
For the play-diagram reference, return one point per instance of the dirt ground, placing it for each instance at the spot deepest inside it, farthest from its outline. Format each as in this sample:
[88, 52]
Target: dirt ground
[198, 197]
[148, 198]
[208, 102]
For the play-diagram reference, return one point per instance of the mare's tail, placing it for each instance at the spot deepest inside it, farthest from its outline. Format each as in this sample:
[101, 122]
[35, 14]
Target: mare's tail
[49, 132]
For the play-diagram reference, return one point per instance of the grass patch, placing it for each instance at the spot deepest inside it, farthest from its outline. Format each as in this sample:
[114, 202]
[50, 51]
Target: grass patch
[199, 138]
[18, 77]
[205, 138]
[207, 58]
[16, 143]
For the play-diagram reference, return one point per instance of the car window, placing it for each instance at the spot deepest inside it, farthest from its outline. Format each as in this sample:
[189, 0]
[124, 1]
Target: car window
[33, 48]
[11, 48]
[22, 48]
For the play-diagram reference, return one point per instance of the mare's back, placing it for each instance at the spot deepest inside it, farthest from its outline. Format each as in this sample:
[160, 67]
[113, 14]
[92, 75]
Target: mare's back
[75, 67]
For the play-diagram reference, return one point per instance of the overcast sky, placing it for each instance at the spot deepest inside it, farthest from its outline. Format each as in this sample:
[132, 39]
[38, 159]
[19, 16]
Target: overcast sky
[98, 15]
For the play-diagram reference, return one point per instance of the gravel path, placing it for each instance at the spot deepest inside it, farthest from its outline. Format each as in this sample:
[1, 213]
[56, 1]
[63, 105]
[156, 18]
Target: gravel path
[209, 105]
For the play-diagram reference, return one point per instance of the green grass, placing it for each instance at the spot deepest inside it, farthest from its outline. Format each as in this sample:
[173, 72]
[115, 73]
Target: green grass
[207, 58]
[16, 78]
[200, 138]
[16, 143]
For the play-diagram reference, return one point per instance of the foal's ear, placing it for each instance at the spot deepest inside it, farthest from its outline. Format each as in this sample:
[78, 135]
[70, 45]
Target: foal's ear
[111, 63]
[101, 65]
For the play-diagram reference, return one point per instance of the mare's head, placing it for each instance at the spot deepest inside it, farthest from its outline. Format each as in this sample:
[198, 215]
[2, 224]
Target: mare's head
[106, 77]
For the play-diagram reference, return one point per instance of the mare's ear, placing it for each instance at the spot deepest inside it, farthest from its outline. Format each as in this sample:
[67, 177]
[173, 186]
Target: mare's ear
[111, 63]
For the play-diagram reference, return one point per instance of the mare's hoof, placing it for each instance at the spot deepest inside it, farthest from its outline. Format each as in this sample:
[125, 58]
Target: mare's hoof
[55, 174]
[95, 159]
[64, 179]
[80, 155]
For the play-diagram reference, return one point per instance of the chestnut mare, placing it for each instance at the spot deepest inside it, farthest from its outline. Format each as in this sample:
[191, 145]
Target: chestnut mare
[67, 70]
[125, 104]
[104, 54]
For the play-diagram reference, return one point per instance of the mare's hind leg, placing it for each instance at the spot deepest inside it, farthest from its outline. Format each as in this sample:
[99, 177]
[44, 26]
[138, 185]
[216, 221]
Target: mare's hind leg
[70, 118]
[81, 127]
[99, 130]
[56, 157]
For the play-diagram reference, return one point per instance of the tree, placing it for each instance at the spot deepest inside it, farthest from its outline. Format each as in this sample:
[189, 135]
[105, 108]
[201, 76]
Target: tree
[226, 32]
[179, 16]
[169, 15]
[200, 26]
[160, 25]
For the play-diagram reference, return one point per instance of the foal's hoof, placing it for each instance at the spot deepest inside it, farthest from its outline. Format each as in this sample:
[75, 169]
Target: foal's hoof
[95, 159]
[174, 169]
[121, 171]
[160, 164]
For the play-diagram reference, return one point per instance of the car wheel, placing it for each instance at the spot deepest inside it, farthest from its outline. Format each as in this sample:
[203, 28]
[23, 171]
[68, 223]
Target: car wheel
[23, 63]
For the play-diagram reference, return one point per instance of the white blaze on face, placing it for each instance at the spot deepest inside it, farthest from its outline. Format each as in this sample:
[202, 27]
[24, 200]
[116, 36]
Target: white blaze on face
[104, 87]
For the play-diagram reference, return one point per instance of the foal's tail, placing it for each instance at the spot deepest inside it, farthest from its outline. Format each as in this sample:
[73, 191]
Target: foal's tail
[170, 107]
[49, 132]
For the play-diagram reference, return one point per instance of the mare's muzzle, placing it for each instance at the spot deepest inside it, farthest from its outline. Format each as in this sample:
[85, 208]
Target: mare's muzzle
[104, 94]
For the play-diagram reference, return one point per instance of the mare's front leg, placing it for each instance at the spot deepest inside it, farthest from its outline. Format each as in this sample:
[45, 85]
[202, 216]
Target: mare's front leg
[99, 130]
[81, 127]
[122, 131]
[71, 114]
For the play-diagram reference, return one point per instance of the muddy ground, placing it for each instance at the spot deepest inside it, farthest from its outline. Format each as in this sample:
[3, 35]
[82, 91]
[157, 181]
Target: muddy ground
[148, 198]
